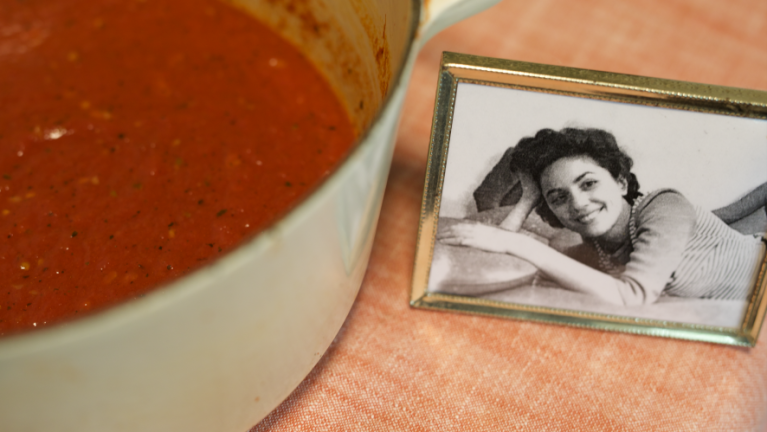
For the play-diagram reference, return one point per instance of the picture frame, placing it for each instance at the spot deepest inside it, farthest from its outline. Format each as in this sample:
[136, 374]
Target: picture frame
[697, 150]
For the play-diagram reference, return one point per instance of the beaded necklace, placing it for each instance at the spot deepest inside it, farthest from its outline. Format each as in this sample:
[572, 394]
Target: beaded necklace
[606, 260]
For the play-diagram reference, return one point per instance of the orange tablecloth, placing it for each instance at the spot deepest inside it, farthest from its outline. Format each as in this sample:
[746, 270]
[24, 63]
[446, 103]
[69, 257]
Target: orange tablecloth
[396, 368]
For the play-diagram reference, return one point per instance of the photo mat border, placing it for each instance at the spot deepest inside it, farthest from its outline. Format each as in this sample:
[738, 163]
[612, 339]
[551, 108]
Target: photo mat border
[458, 68]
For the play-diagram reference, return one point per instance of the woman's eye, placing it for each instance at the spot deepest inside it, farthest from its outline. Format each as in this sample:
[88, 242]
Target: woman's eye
[588, 184]
[558, 200]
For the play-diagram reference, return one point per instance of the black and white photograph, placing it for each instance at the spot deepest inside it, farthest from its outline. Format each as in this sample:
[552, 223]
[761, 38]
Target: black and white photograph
[601, 207]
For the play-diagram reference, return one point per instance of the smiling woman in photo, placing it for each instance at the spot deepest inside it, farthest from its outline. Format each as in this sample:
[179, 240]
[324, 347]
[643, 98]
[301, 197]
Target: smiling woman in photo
[635, 247]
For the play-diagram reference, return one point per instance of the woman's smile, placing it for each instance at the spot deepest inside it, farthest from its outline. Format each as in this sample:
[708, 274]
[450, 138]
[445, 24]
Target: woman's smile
[587, 218]
[585, 197]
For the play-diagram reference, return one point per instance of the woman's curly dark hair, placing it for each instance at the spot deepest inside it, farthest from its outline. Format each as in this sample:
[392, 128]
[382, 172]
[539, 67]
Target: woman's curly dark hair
[535, 154]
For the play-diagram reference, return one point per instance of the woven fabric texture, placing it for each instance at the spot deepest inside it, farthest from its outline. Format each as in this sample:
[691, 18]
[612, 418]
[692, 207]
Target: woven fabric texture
[396, 368]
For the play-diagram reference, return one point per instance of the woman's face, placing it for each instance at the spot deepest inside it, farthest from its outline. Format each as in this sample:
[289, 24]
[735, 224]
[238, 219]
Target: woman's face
[584, 196]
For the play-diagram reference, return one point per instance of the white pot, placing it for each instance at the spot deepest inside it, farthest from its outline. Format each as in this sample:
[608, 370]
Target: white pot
[219, 349]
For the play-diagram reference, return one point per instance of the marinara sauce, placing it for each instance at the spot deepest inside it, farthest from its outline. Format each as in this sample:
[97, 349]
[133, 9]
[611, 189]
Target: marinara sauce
[140, 140]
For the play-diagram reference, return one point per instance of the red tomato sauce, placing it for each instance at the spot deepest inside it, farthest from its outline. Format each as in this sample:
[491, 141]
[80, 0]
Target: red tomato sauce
[140, 140]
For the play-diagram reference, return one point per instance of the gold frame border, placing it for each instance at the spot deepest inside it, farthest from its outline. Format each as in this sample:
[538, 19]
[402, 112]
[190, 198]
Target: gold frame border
[457, 68]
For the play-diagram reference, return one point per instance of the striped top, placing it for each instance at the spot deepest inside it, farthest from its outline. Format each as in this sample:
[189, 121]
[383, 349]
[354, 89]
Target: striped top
[682, 250]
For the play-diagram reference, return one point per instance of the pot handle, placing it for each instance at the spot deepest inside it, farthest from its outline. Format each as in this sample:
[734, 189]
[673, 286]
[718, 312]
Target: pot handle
[439, 14]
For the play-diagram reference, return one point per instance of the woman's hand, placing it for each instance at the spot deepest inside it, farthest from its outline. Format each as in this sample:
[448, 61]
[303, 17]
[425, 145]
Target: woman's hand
[531, 192]
[479, 236]
[531, 196]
